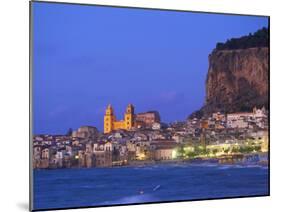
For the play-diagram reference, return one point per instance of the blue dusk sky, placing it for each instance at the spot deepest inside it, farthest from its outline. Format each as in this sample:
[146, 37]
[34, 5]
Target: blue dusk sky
[85, 57]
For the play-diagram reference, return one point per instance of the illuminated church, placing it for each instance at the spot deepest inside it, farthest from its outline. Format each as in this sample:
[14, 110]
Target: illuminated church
[110, 122]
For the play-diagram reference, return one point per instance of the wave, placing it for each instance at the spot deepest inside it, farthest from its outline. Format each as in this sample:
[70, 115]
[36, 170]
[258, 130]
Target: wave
[201, 164]
[242, 166]
[141, 198]
[146, 167]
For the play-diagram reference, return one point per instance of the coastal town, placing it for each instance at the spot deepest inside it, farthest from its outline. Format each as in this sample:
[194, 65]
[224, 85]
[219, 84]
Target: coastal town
[141, 138]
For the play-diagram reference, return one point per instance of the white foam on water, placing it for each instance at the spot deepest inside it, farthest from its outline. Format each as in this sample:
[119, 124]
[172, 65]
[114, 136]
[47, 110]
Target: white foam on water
[141, 198]
[242, 166]
[225, 167]
[204, 165]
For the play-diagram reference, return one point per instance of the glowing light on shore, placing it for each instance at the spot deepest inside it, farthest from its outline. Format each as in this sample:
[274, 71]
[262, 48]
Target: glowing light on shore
[174, 154]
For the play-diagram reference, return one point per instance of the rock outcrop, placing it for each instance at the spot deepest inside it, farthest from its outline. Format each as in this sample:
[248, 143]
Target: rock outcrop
[237, 80]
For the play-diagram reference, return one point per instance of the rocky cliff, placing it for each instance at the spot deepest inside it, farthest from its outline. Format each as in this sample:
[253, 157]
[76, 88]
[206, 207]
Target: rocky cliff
[238, 75]
[237, 80]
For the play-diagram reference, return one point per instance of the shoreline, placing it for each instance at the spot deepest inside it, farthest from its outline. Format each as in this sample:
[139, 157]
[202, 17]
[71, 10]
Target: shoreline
[212, 160]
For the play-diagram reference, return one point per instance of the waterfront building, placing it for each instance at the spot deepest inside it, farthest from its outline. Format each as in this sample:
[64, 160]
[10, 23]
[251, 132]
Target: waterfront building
[88, 159]
[37, 152]
[142, 150]
[58, 158]
[45, 153]
[102, 154]
[163, 149]
[163, 153]
[110, 122]
[45, 157]
[89, 148]
[81, 158]
[36, 156]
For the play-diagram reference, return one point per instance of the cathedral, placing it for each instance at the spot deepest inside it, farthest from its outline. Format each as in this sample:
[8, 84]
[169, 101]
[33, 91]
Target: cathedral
[111, 124]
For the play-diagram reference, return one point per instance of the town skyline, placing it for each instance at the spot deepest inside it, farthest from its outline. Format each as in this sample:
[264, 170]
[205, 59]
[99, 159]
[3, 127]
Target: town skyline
[74, 80]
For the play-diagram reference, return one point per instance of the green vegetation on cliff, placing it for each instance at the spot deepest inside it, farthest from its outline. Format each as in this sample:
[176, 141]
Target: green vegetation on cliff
[259, 39]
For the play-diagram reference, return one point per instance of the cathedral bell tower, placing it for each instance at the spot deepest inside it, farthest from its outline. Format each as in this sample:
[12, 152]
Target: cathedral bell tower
[129, 117]
[109, 119]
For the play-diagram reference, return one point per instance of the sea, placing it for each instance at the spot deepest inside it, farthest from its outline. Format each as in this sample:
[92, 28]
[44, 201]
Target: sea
[71, 188]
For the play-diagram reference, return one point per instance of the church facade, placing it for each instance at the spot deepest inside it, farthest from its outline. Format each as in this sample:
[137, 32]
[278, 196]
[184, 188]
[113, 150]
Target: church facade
[110, 122]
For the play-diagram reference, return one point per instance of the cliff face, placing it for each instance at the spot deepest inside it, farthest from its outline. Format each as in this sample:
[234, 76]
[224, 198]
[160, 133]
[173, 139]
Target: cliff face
[237, 80]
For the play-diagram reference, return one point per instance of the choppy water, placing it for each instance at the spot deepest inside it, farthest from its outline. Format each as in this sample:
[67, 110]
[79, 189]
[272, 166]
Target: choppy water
[62, 188]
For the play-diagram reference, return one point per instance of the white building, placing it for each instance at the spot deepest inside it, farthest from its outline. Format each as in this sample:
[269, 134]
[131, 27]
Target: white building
[243, 119]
